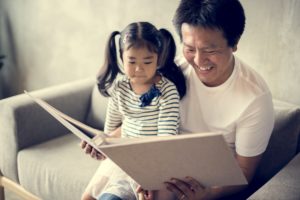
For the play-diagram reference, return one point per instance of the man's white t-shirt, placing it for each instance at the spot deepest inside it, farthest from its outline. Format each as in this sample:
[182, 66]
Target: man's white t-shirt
[241, 109]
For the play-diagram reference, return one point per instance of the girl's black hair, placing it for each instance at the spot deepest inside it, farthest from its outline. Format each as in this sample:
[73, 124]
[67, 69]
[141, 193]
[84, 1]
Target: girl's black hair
[110, 65]
[167, 66]
[142, 34]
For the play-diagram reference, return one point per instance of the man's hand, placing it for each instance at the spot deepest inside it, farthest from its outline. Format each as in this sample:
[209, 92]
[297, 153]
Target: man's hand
[187, 188]
[191, 189]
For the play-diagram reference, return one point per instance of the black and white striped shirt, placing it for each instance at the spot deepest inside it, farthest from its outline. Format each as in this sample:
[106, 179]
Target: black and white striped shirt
[160, 118]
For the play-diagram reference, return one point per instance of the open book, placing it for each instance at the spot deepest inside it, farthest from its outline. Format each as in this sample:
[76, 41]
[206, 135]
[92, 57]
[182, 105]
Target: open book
[151, 161]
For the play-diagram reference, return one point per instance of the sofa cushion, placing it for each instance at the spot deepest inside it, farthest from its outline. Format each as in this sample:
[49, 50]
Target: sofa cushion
[57, 169]
[97, 110]
[285, 185]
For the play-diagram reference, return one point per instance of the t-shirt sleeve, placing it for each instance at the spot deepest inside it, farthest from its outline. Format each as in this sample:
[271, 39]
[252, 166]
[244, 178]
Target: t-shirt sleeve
[168, 120]
[255, 126]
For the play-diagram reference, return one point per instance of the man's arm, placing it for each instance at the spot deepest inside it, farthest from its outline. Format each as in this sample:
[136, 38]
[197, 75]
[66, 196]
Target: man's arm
[248, 166]
[191, 189]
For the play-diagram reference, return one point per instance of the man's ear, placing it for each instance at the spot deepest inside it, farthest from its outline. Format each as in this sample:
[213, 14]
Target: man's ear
[234, 48]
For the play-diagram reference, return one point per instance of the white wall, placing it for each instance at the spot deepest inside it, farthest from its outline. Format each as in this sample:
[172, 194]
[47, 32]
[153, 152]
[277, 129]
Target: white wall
[54, 41]
[271, 44]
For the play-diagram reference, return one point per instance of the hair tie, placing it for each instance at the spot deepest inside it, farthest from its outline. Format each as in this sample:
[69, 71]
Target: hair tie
[126, 37]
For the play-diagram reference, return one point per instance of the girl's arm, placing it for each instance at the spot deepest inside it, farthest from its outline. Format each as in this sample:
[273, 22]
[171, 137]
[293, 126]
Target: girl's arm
[168, 120]
[112, 126]
[113, 118]
[116, 133]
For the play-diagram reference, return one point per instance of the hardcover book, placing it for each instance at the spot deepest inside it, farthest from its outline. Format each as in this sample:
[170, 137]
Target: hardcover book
[151, 161]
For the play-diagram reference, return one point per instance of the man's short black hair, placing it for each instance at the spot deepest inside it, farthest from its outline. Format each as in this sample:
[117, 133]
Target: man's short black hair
[225, 15]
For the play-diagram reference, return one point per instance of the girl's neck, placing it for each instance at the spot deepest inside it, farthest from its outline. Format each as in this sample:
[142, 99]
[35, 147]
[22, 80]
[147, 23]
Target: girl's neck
[139, 89]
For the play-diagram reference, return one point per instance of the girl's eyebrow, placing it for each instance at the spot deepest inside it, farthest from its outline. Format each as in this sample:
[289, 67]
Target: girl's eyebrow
[134, 58]
[148, 57]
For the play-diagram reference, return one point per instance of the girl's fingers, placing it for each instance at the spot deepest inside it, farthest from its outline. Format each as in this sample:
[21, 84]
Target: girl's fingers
[139, 189]
[83, 144]
[148, 195]
[88, 149]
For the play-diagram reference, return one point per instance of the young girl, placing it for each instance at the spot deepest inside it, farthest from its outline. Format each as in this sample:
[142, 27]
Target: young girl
[144, 99]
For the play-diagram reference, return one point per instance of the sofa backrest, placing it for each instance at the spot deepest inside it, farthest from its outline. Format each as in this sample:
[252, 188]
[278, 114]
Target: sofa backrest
[97, 111]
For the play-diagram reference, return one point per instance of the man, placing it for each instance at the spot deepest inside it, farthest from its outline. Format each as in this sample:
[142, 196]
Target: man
[224, 94]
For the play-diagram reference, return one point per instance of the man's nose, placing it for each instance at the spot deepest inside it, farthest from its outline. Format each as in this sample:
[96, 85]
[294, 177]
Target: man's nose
[199, 58]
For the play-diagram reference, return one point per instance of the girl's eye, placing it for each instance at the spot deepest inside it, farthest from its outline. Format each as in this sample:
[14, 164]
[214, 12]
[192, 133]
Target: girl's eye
[131, 62]
[147, 63]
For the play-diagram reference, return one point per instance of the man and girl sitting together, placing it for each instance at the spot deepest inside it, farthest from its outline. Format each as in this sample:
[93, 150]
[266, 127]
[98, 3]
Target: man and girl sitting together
[208, 89]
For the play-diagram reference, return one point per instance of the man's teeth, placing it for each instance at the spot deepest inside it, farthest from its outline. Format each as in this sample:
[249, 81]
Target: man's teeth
[205, 68]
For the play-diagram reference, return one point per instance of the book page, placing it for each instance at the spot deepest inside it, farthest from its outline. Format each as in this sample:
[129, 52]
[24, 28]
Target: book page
[81, 130]
[92, 136]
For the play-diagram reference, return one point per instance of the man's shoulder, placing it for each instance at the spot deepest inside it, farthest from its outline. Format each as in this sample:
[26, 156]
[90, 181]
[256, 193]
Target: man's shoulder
[249, 78]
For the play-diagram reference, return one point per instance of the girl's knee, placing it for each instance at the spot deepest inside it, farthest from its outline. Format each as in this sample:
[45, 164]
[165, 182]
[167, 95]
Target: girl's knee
[86, 196]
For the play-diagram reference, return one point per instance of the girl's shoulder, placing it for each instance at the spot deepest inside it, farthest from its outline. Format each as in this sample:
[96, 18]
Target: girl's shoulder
[167, 87]
[165, 82]
[121, 79]
[121, 83]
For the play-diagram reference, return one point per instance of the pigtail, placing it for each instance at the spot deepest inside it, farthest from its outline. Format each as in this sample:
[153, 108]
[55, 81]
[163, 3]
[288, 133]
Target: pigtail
[168, 68]
[111, 66]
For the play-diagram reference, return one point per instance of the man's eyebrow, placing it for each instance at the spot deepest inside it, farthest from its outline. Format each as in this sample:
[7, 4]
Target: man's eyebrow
[185, 44]
[212, 46]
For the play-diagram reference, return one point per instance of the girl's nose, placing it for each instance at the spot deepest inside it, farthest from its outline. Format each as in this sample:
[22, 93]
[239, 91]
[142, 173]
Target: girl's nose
[139, 68]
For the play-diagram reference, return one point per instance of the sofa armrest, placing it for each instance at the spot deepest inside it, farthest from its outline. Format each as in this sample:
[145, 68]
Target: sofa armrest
[284, 185]
[283, 143]
[24, 123]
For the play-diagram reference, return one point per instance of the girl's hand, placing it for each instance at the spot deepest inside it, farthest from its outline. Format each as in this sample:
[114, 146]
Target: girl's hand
[144, 194]
[88, 149]
[187, 189]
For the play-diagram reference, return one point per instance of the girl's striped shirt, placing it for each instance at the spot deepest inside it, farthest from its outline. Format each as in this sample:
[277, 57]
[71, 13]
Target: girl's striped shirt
[160, 118]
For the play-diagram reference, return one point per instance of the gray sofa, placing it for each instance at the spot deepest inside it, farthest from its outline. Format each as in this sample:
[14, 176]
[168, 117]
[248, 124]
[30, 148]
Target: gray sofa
[39, 159]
